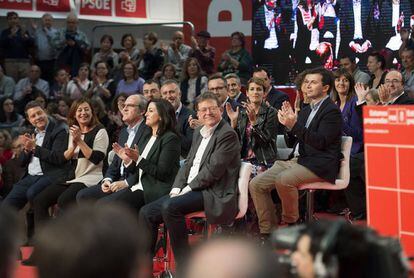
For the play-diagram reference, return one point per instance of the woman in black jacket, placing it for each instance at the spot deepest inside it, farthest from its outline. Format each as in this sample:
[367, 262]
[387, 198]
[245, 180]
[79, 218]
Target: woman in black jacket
[256, 126]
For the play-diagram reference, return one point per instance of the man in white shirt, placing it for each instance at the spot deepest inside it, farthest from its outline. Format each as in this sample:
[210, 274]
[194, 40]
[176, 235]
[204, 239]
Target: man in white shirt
[207, 182]
[177, 52]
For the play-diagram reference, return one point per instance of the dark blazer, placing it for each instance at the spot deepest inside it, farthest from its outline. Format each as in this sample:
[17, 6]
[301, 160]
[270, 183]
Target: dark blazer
[185, 131]
[160, 166]
[276, 98]
[320, 143]
[114, 170]
[263, 135]
[242, 98]
[218, 174]
[52, 162]
[234, 105]
[403, 99]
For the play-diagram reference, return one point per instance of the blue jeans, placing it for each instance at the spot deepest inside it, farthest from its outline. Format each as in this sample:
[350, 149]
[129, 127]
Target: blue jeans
[26, 190]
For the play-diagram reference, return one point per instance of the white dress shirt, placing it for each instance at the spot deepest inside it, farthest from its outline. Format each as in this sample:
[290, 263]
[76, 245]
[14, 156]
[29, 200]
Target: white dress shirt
[35, 168]
[144, 154]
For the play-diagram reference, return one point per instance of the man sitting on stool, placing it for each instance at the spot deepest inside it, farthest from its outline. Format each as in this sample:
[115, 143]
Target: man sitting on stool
[317, 131]
[207, 182]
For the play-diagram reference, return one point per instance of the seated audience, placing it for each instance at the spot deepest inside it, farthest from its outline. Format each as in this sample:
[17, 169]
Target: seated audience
[134, 133]
[316, 132]
[237, 59]
[207, 181]
[376, 66]
[407, 59]
[131, 82]
[115, 118]
[7, 84]
[234, 88]
[60, 85]
[5, 146]
[343, 95]
[168, 72]
[176, 52]
[106, 53]
[26, 87]
[393, 91]
[80, 84]
[102, 86]
[348, 63]
[9, 118]
[193, 82]
[256, 126]
[203, 52]
[156, 164]
[218, 86]
[171, 92]
[90, 241]
[12, 169]
[151, 58]
[88, 142]
[151, 90]
[42, 157]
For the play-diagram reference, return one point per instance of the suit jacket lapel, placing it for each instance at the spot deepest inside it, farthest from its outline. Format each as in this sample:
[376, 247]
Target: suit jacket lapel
[210, 144]
[48, 132]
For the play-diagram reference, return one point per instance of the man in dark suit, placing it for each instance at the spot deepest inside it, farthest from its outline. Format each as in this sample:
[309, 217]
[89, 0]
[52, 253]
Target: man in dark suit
[170, 90]
[42, 157]
[392, 91]
[234, 88]
[218, 86]
[135, 133]
[317, 152]
[207, 181]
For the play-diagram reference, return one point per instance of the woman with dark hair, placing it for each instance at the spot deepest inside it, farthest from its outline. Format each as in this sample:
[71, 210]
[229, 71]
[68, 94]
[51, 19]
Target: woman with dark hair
[151, 58]
[106, 53]
[237, 59]
[193, 82]
[9, 118]
[79, 85]
[157, 164]
[115, 117]
[256, 126]
[130, 52]
[88, 142]
[376, 66]
[131, 82]
[344, 96]
[102, 85]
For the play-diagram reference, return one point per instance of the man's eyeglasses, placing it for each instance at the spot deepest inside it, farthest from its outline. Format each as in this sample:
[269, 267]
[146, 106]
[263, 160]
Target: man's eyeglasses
[131, 105]
[394, 81]
[216, 88]
[205, 109]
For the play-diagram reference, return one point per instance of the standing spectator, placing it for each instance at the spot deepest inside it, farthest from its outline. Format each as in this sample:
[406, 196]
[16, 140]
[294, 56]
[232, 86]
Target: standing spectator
[168, 72]
[27, 88]
[60, 85]
[151, 58]
[72, 45]
[106, 53]
[7, 84]
[15, 43]
[102, 85]
[80, 84]
[9, 118]
[130, 52]
[131, 83]
[376, 66]
[237, 59]
[177, 52]
[45, 52]
[193, 82]
[203, 52]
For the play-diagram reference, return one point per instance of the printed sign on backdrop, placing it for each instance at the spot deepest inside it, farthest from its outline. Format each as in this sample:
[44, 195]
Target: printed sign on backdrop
[96, 7]
[17, 4]
[53, 5]
[130, 8]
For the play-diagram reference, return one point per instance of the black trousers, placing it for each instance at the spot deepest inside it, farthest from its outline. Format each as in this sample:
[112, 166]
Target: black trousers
[134, 200]
[355, 193]
[171, 211]
[63, 195]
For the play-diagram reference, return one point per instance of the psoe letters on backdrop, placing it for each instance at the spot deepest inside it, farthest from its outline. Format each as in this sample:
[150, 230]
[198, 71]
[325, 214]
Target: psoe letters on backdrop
[97, 4]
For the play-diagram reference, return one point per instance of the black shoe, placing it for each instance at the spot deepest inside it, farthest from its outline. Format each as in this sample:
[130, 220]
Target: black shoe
[29, 261]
